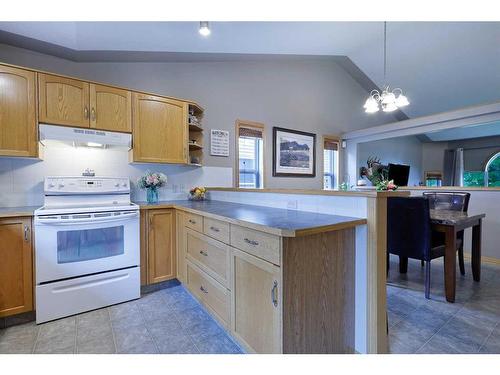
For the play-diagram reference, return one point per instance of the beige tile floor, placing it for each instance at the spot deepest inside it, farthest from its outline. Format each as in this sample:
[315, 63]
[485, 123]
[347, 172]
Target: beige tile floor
[418, 325]
[165, 321]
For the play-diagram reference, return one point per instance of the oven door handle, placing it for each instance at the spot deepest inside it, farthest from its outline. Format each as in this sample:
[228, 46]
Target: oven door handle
[86, 220]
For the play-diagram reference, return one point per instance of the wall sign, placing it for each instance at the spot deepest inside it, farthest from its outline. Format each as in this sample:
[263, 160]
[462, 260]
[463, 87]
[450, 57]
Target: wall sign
[219, 142]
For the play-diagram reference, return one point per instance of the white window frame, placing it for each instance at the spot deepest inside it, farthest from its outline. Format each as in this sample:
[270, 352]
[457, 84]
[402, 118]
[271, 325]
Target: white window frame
[250, 125]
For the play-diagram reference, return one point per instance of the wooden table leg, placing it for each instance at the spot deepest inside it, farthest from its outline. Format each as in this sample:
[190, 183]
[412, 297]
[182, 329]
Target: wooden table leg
[476, 251]
[450, 258]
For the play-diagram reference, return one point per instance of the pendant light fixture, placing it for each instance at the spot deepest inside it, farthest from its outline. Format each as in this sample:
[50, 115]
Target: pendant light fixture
[388, 100]
[204, 28]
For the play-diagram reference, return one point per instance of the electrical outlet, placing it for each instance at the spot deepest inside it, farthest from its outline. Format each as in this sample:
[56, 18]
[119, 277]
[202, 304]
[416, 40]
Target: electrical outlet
[292, 205]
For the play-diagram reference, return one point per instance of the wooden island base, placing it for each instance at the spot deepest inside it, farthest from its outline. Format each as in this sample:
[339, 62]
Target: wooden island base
[318, 292]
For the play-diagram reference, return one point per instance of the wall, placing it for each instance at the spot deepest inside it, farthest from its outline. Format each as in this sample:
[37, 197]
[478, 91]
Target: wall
[477, 151]
[21, 180]
[402, 150]
[433, 156]
[309, 94]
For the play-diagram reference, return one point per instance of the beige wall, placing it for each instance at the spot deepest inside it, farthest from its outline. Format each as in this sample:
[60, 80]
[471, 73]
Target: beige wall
[314, 95]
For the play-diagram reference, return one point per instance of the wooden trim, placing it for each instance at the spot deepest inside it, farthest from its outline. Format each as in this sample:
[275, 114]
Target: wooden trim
[376, 335]
[338, 140]
[189, 101]
[484, 259]
[359, 193]
[248, 124]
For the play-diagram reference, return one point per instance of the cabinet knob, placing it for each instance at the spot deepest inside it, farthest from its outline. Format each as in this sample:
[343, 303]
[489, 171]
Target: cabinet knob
[192, 221]
[203, 253]
[93, 114]
[85, 112]
[203, 290]
[215, 229]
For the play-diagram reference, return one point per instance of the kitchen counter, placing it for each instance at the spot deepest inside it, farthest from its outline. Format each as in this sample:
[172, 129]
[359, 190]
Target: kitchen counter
[281, 222]
[6, 212]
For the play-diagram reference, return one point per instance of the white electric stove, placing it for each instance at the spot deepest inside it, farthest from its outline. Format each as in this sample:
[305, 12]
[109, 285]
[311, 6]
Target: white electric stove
[87, 246]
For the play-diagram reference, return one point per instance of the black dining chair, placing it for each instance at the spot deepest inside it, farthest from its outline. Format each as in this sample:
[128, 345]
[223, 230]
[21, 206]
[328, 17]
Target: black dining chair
[409, 234]
[454, 201]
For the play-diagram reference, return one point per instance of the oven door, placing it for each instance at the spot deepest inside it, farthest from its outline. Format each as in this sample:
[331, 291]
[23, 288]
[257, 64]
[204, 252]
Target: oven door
[70, 245]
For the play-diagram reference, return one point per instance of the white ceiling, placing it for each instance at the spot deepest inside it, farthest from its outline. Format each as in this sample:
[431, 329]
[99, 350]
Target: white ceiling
[440, 66]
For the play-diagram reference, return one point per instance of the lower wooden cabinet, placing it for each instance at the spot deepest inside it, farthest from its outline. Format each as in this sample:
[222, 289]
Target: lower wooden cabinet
[256, 303]
[181, 246]
[158, 249]
[16, 266]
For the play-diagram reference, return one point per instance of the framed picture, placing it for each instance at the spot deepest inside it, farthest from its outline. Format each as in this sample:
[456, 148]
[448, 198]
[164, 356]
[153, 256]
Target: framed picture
[294, 153]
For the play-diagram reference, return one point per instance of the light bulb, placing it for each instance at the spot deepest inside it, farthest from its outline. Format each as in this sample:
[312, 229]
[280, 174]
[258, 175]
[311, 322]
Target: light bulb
[204, 28]
[370, 102]
[388, 98]
[372, 109]
[389, 107]
[401, 101]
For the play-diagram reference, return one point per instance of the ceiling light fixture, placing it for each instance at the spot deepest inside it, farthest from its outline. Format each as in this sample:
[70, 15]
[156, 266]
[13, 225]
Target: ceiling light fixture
[204, 28]
[388, 100]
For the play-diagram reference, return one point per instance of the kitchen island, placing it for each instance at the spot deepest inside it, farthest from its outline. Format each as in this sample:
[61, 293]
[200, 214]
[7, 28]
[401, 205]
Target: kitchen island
[280, 281]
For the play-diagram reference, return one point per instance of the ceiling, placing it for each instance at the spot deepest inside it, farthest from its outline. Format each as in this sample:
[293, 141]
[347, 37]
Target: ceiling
[440, 65]
[467, 132]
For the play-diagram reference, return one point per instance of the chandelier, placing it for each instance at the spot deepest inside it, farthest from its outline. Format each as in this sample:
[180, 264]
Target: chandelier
[388, 100]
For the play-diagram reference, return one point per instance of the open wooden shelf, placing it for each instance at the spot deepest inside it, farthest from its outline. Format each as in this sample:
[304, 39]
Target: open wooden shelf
[195, 146]
[195, 128]
[195, 140]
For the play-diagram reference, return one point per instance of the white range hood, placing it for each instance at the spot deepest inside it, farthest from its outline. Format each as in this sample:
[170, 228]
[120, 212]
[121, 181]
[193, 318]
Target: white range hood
[84, 137]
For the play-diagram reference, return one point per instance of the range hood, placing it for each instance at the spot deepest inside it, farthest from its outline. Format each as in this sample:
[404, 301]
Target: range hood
[84, 137]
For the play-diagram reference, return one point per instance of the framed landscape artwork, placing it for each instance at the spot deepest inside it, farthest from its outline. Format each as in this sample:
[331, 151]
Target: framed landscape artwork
[294, 153]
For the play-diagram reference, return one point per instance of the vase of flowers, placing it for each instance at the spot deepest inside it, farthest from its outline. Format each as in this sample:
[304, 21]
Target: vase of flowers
[197, 193]
[386, 185]
[151, 181]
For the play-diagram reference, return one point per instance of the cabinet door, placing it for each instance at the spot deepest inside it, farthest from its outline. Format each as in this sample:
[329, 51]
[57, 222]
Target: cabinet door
[256, 303]
[16, 269]
[63, 101]
[18, 130]
[159, 129]
[181, 246]
[161, 245]
[110, 108]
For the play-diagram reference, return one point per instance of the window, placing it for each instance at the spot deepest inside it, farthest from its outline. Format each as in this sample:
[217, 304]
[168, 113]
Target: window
[489, 177]
[330, 163]
[492, 171]
[250, 155]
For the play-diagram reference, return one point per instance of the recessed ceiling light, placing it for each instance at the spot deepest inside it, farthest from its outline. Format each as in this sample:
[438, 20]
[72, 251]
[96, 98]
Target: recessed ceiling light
[204, 28]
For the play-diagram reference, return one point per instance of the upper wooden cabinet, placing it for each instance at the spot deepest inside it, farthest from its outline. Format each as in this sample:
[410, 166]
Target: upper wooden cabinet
[159, 129]
[18, 126]
[16, 268]
[110, 108]
[63, 101]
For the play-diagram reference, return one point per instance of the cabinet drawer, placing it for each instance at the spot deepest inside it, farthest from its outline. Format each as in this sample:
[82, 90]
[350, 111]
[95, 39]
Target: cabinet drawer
[216, 229]
[260, 244]
[193, 221]
[209, 292]
[210, 253]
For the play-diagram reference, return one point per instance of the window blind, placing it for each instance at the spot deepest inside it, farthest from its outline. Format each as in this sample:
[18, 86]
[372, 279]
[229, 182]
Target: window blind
[250, 132]
[330, 145]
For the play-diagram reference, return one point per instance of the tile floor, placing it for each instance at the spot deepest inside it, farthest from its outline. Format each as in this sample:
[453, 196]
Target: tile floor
[165, 321]
[418, 325]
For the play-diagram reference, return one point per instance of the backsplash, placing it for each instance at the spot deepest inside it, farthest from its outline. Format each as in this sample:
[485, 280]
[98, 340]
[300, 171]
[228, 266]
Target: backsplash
[21, 180]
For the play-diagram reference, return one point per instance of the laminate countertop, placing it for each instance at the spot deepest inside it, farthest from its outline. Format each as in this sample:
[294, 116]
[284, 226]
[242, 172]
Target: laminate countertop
[6, 212]
[281, 222]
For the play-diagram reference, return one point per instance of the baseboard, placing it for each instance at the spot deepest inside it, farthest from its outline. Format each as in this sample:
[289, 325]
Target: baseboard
[484, 259]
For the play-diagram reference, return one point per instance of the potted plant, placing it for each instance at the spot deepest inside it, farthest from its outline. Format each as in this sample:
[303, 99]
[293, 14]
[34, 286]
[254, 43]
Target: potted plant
[151, 181]
[386, 185]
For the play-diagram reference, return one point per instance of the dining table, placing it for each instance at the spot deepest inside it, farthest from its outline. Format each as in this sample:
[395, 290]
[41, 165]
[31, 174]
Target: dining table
[450, 223]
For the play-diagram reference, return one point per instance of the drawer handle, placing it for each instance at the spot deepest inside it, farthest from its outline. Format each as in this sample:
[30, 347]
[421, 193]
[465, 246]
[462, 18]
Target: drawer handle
[26, 233]
[203, 253]
[192, 221]
[251, 242]
[274, 294]
[215, 229]
[203, 290]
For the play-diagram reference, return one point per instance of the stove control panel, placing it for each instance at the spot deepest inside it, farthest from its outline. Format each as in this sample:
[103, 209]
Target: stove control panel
[86, 185]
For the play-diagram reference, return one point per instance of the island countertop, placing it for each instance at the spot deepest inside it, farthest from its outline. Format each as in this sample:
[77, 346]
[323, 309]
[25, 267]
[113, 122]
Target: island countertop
[278, 221]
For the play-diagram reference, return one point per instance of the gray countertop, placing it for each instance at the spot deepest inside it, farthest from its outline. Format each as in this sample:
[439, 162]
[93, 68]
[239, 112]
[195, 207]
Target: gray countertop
[278, 221]
[17, 211]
